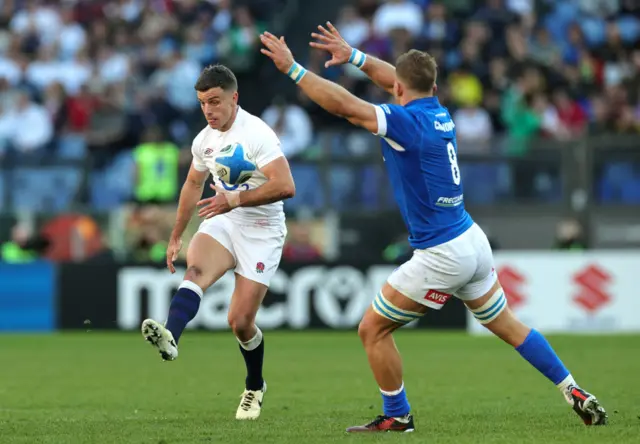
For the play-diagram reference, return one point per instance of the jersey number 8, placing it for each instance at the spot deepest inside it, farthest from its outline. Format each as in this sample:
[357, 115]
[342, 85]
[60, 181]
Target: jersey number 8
[453, 160]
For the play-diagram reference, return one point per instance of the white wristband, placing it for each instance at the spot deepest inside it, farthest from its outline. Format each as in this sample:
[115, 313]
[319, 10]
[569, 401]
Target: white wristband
[357, 58]
[296, 72]
[233, 199]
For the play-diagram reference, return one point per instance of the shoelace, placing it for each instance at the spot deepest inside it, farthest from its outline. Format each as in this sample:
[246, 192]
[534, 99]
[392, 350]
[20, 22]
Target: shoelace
[247, 399]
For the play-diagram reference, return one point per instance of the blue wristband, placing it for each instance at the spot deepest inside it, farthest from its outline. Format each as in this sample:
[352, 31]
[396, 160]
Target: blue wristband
[357, 58]
[296, 72]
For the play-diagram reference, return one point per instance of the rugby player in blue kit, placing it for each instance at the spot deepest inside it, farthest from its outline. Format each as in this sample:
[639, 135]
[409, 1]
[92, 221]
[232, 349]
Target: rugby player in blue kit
[452, 256]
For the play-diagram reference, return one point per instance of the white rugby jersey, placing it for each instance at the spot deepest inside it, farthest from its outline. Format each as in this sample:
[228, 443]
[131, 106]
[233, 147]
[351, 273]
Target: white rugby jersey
[262, 146]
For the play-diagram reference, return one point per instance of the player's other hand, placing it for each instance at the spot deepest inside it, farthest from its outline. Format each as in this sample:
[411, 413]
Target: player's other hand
[331, 41]
[215, 205]
[175, 245]
[277, 50]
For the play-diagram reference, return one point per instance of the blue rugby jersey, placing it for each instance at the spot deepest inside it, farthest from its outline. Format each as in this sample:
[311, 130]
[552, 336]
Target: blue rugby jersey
[420, 153]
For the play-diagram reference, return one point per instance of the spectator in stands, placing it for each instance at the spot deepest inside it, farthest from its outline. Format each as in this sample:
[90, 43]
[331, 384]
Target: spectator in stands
[600, 117]
[80, 108]
[628, 121]
[497, 18]
[298, 247]
[571, 115]
[238, 48]
[75, 72]
[398, 14]
[151, 247]
[569, 235]
[25, 129]
[543, 49]
[438, 29]
[465, 86]
[156, 169]
[57, 106]
[73, 37]
[23, 246]
[522, 120]
[197, 48]
[353, 27]
[10, 69]
[474, 129]
[292, 125]
[107, 132]
[44, 70]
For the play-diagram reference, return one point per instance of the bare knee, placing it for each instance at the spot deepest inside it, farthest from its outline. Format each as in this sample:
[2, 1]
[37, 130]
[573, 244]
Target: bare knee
[370, 331]
[194, 274]
[242, 325]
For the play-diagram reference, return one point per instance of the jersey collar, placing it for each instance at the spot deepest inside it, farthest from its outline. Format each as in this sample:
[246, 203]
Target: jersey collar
[428, 102]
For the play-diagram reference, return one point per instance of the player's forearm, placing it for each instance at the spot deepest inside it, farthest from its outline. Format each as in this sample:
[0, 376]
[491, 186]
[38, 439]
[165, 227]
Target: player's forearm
[380, 72]
[330, 96]
[189, 197]
[272, 191]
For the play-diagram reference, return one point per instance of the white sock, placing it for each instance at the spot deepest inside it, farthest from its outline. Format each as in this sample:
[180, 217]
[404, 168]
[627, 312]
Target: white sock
[393, 393]
[566, 383]
[252, 343]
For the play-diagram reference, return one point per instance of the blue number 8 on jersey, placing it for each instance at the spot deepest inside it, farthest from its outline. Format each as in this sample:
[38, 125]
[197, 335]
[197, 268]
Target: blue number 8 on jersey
[233, 165]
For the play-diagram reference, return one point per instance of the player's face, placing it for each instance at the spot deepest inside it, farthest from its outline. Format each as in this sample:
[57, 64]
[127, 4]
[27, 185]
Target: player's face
[218, 106]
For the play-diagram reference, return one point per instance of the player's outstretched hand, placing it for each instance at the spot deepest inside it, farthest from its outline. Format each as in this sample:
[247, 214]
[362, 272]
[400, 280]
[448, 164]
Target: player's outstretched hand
[213, 206]
[331, 41]
[174, 247]
[277, 50]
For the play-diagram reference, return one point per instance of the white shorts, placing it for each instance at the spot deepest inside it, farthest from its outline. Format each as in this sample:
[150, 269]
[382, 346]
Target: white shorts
[462, 267]
[256, 249]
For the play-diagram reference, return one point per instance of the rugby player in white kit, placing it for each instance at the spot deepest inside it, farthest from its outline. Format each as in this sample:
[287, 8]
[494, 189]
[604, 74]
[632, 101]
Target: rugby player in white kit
[244, 229]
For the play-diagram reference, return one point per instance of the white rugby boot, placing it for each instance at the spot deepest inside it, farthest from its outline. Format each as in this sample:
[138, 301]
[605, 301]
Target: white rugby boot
[157, 335]
[251, 403]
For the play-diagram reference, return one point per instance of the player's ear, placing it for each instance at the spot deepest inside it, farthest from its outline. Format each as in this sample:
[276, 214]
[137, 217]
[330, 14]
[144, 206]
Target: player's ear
[235, 97]
[398, 90]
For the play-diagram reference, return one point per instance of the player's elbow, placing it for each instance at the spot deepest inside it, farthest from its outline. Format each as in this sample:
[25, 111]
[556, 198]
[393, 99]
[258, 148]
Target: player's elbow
[288, 190]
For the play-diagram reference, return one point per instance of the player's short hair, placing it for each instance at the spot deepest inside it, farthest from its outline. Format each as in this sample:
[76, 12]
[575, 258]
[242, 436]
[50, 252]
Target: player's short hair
[418, 70]
[216, 76]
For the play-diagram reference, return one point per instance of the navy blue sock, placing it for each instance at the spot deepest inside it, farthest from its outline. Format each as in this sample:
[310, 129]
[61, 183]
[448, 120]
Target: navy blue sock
[539, 353]
[395, 404]
[184, 307]
[253, 354]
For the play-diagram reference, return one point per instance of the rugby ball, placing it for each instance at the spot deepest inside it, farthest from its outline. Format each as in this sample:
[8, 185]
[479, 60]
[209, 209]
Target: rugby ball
[234, 165]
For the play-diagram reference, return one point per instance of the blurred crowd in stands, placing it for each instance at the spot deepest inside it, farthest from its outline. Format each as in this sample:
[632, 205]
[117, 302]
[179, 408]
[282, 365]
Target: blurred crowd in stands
[109, 84]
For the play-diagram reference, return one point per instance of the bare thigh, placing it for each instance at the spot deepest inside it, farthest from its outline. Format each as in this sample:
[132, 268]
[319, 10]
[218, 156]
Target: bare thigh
[207, 261]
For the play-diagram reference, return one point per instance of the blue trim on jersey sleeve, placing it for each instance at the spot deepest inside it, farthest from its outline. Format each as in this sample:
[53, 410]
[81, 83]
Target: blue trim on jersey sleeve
[401, 127]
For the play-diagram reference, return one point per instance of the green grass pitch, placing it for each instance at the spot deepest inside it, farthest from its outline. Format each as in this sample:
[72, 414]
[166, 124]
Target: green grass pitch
[92, 387]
